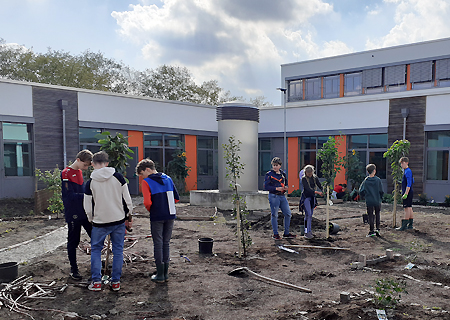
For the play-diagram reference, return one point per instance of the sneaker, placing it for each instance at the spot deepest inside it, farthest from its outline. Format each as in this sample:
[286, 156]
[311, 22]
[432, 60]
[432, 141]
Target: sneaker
[289, 236]
[371, 234]
[308, 236]
[377, 233]
[115, 286]
[276, 237]
[76, 276]
[95, 286]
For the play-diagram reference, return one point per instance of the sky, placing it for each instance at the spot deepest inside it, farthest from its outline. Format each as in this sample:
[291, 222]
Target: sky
[239, 43]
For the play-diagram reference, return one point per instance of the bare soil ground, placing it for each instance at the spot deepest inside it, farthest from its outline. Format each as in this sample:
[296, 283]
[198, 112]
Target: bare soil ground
[202, 289]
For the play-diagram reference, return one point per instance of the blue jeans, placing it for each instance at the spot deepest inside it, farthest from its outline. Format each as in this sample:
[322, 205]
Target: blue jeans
[161, 234]
[308, 215]
[98, 236]
[279, 202]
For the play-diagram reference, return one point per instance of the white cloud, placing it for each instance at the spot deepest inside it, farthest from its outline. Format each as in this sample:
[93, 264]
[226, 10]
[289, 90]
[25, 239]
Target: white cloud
[415, 21]
[240, 43]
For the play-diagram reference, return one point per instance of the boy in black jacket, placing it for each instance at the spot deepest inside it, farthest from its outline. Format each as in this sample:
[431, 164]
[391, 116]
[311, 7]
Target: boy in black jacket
[72, 190]
[372, 189]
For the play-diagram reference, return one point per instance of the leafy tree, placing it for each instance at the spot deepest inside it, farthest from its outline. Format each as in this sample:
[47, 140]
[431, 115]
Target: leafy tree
[400, 148]
[354, 169]
[177, 169]
[117, 149]
[234, 169]
[331, 165]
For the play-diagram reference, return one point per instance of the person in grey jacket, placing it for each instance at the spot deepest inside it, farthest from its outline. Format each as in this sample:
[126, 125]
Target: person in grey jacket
[372, 189]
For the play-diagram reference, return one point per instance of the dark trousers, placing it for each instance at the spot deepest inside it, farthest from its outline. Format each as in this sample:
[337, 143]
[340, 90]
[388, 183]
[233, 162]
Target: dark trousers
[370, 210]
[73, 240]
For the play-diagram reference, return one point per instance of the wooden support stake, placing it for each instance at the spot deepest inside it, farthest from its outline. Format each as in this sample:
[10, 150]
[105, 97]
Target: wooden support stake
[315, 247]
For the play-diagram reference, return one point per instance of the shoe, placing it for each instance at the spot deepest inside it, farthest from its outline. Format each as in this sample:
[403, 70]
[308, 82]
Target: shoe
[308, 236]
[96, 286]
[276, 237]
[377, 233]
[76, 276]
[404, 225]
[410, 224]
[159, 276]
[371, 234]
[115, 286]
[289, 236]
[166, 271]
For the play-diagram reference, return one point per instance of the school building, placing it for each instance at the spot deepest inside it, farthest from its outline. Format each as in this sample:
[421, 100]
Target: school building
[367, 100]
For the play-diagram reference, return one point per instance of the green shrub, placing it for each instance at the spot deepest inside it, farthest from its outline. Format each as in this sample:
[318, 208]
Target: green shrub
[423, 199]
[388, 292]
[447, 201]
[295, 193]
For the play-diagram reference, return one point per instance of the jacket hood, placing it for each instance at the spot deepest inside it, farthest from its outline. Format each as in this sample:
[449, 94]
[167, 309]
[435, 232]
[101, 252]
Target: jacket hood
[102, 174]
[158, 177]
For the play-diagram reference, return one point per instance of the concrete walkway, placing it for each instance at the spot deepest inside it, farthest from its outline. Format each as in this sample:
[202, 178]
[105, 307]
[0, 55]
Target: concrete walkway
[30, 249]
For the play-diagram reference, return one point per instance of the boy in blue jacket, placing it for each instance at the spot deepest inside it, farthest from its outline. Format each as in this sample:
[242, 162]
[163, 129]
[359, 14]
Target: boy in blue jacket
[72, 190]
[408, 193]
[276, 183]
[372, 189]
[160, 196]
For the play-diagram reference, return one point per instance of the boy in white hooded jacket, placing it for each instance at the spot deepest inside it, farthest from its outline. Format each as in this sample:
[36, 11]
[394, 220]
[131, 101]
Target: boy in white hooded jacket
[107, 203]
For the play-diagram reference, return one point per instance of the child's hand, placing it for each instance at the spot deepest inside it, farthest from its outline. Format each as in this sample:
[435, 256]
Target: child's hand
[405, 196]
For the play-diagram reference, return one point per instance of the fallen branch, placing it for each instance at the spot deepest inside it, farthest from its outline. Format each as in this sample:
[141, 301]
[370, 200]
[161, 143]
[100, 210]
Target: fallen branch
[291, 286]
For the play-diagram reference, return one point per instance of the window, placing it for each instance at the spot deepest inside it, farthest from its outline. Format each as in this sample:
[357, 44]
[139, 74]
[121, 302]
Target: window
[395, 78]
[312, 89]
[331, 86]
[264, 156]
[17, 149]
[89, 139]
[421, 75]
[372, 80]
[207, 153]
[438, 148]
[295, 90]
[160, 147]
[370, 149]
[308, 152]
[352, 84]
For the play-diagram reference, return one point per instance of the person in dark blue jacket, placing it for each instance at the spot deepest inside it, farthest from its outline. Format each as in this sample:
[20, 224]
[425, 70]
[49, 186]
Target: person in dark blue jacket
[276, 183]
[160, 196]
[407, 191]
[72, 189]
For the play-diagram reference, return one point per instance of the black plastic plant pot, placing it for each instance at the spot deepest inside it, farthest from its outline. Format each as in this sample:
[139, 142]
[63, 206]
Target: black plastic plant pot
[8, 271]
[205, 245]
[334, 228]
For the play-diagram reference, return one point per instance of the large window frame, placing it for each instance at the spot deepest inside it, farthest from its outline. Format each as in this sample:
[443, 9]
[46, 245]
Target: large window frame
[308, 148]
[207, 156]
[313, 89]
[17, 147]
[352, 84]
[265, 155]
[295, 90]
[437, 151]
[370, 148]
[160, 147]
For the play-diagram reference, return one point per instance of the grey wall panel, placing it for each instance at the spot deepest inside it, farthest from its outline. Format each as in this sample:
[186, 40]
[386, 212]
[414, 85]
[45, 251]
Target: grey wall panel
[48, 127]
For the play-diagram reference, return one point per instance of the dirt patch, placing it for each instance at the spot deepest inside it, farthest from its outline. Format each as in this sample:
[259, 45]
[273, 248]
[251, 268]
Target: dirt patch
[200, 287]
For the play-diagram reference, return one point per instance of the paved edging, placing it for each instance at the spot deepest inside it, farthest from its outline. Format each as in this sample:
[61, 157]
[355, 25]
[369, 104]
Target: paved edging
[38, 246]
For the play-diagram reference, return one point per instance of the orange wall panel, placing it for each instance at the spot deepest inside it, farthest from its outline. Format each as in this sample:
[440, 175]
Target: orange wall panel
[191, 161]
[341, 85]
[342, 150]
[293, 164]
[408, 77]
[136, 139]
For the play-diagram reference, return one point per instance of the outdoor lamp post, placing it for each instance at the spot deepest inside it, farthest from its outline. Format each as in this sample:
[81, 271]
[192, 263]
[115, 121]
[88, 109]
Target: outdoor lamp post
[284, 131]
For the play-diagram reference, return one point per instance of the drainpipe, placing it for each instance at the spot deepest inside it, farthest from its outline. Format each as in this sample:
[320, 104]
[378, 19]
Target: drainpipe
[405, 113]
[64, 104]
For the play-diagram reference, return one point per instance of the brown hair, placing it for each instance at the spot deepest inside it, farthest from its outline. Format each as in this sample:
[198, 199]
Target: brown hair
[403, 159]
[100, 157]
[85, 155]
[276, 160]
[370, 167]
[144, 164]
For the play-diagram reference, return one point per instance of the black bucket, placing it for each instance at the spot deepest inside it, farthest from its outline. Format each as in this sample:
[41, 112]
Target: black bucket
[334, 228]
[205, 245]
[8, 271]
